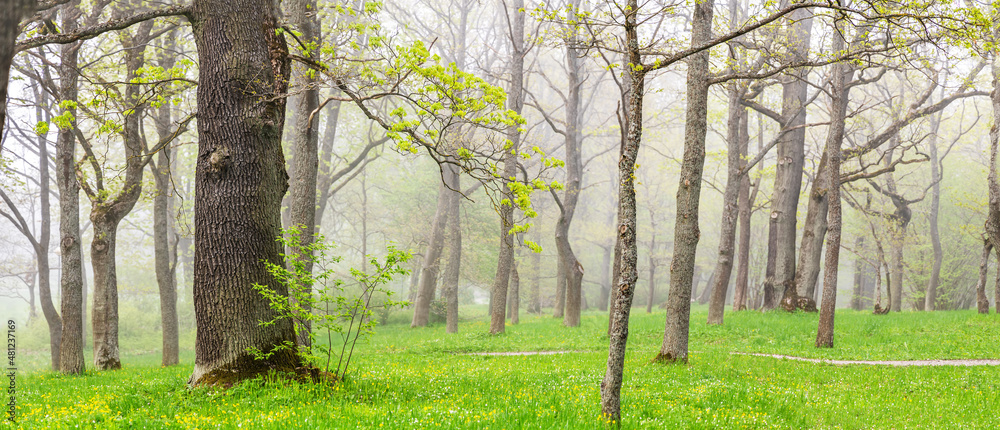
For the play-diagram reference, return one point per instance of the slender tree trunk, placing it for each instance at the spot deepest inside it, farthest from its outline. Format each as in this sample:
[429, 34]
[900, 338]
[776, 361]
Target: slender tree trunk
[930, 298]
[41, 245]
[163, 246]
[745, 211]
[452, 269]
[432, 260]
[515, 101]
[791, 159]
[624, 288]
[572, 269]
[305, 141]
[240, 181]
[813, 232]
[859, 274]
[107, 212]
[73, 306]
[896, 276]
[686, 231]
[983, 303]
[839, 94]
[734, 183]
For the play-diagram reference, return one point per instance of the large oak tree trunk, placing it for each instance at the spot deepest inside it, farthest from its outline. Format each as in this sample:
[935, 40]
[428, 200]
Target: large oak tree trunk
[240, 180]
[71, 358]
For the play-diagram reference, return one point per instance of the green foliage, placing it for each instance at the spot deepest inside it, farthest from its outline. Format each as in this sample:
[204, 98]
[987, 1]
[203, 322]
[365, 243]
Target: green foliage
[319, 300]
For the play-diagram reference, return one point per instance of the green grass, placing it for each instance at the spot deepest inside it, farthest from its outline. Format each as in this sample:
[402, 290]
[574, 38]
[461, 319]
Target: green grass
[419, 378]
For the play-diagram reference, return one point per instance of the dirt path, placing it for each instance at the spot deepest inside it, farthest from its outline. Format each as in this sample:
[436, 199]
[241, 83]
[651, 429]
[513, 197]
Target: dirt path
[897, 363]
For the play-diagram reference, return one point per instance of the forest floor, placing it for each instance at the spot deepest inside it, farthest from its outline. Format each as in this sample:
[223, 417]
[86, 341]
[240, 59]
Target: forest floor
[424, 378]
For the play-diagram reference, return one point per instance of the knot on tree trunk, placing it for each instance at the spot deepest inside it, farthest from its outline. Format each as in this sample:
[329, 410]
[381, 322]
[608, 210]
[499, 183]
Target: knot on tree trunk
[804, 304]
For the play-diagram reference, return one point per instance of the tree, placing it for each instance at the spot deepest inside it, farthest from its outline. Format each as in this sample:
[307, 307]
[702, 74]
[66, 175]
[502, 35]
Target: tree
[10, 27]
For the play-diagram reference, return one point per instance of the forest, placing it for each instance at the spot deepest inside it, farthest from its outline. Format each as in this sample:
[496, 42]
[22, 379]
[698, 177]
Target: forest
[500, 213]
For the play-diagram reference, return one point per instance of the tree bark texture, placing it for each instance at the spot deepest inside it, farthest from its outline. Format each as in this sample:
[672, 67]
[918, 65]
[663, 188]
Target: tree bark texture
[859, 273]
[515, 102]
[982, 302]
[559, 308]
[71, 360]
[835, 137]
[514, 299]
[813, 232]
[791, 159]
[240, 180]
[686, 231]
[534, 296]
[624, 288]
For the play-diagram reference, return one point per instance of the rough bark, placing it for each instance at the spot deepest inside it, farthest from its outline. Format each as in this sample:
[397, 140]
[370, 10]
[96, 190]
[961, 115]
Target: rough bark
[686, 231]
[813, 232]
[624, 288]
[835, 137]
[791, 159]
[164, 245]
[930, 298]
[240, 180]
[305, 139]
[559, 308]
[515, 102]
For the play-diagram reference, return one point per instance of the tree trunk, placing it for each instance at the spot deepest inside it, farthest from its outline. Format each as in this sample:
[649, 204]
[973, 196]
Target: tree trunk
[652, 279]
[730, 207]
[746, 200]
[838, 114]
[432, 260]
[859, 274]
[71, 360]
[240, 180]
[163, 240]
[791, 159]
[305, 141]
[983, 303]
[896, 277]
[686, 231]
[572, 269]
[452, 269]
[515, 101]
[514, 299]
[624, 288]
[734, 182]
[107, 212]
[559, 310]
[931, 297]
[813, 232]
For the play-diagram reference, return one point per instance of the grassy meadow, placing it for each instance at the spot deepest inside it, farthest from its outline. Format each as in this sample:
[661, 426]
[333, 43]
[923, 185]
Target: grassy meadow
[406, 378]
